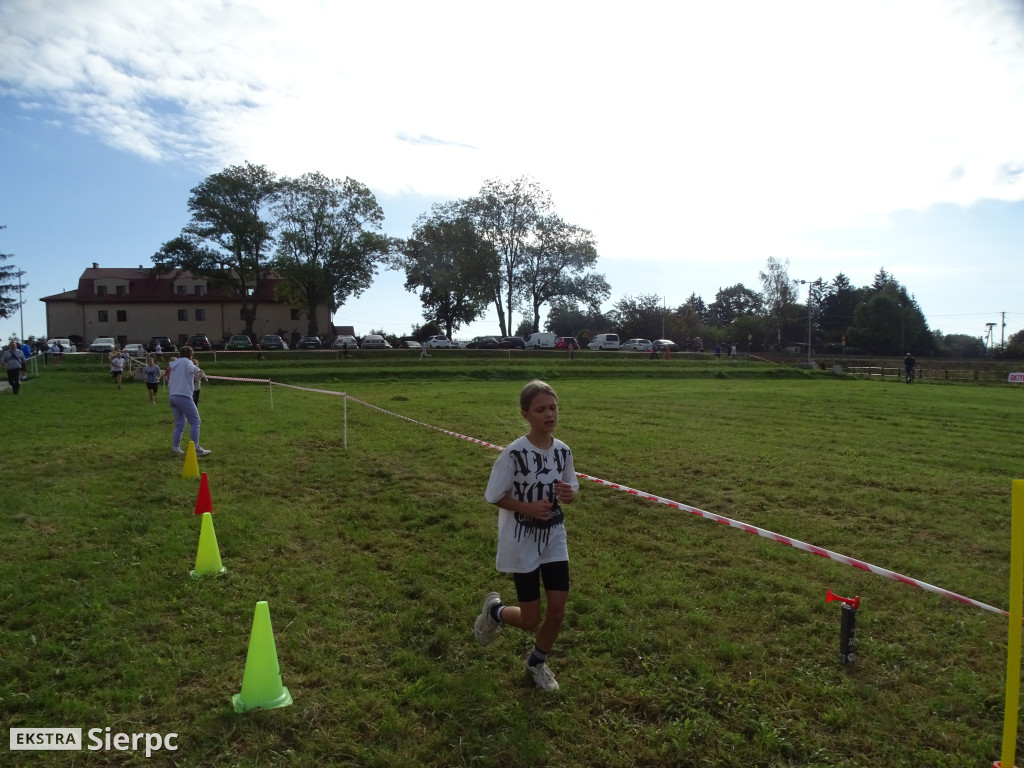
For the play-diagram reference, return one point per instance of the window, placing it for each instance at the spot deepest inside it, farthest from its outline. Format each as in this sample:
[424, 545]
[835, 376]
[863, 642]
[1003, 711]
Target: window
[200, 314]
[183, 315]
[295, 314]
[122, 315]
[101, 315]
[182, 290]
[101, 290]
[199, 290]
[119, 290]
[250, 291]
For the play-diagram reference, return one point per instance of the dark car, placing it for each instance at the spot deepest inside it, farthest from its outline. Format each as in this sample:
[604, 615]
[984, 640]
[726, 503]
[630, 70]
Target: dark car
[166, 345]
[483, 342]
[566, 342]
[309, 342]
[512, 342]
[200, 342]
[272, 341]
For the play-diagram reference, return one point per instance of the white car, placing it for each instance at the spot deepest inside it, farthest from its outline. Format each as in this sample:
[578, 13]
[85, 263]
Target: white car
[134, 350]
[341, 341]
[637, 345]
[374, 341]
[103, 344]
[438, 342]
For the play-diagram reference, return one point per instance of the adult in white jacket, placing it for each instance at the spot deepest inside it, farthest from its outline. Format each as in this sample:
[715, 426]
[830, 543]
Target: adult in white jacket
[180, 385]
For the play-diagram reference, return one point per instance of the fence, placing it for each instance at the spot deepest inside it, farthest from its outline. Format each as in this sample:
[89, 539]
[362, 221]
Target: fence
[943, 374]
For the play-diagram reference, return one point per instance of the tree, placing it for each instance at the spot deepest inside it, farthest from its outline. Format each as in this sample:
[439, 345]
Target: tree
[568, 317]
[838, 302]
[330, 241]
[451, 265]
[641, 317]
[228, 239]
[888, 321]
[961, 345]
[11, 286]
[732, 302]
[779, 295]
[555, 267]
[506, 214]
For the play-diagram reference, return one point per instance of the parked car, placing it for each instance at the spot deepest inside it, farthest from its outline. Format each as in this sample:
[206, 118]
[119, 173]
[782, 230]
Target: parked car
[512, 342]
[483, 342]
[566, 342]
[200, 342]
[166, 345]
[410, 344]
[438, 342]
[272, 341]
[309, 342]
[341, 341]
[65, 344]
[134, 350]
[374, 341]
[660, 345]
[604, 341]
[638, 345]
[102, 344]
[540, 340]
[239, 341]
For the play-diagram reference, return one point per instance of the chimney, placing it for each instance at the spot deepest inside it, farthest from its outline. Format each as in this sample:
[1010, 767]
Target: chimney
[95, 265]
[140, 266]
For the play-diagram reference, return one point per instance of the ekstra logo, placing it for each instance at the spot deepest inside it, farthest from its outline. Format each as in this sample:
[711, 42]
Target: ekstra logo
[98, 739]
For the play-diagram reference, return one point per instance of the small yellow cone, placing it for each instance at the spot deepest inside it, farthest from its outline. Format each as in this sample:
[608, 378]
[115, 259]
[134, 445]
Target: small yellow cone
[191, 468]
[261, 681]
[208, 555]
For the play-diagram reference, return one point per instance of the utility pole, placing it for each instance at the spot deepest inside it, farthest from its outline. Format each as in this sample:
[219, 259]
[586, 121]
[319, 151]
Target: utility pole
[1002, 332]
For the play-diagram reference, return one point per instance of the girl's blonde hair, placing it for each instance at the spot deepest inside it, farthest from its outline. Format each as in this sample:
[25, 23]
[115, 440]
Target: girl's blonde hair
[531, 390]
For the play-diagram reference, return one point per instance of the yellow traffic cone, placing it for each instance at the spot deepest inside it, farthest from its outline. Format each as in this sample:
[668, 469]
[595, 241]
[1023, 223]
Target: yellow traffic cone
[191, 468]
[208, 555]
[261, 681]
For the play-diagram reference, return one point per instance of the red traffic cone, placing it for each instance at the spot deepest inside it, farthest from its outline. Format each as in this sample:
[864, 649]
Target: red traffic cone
[203, 501]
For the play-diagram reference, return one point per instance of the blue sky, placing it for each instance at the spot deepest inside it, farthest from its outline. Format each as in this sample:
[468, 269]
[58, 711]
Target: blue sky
[695, 142]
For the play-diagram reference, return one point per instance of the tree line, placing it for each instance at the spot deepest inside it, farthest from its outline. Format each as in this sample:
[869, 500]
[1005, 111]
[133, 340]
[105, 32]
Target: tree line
[506, 248]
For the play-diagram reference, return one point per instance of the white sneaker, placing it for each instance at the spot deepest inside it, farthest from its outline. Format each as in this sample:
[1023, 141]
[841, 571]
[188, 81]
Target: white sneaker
[177, 451]
[542, 676]
[485, 628]
[203, 452]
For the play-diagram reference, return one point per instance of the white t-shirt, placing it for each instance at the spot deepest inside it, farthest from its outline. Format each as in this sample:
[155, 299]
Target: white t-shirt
[528, 473]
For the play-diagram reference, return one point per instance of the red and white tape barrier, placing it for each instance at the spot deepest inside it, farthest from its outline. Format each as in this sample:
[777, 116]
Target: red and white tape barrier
[763, 533]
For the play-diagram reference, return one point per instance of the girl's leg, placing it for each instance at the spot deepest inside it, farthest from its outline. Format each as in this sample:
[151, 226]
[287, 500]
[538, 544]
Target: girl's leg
[179, 424]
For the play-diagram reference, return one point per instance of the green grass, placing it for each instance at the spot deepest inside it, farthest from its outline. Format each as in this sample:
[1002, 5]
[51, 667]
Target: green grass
[686, 642]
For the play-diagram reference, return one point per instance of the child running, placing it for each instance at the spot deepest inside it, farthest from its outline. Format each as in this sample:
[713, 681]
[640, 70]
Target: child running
[152, 374]
[530, 480]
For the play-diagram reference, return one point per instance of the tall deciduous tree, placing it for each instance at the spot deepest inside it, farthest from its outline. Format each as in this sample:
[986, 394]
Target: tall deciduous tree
[779, 294]
[330, 241]
[451, 265]
[229, 236]
[11, 286]
[506, 214]
[642, 317]
[732, 302]
[555, 267]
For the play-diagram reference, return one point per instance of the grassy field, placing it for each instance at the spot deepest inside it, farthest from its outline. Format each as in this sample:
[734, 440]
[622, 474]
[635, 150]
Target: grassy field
[687, 643]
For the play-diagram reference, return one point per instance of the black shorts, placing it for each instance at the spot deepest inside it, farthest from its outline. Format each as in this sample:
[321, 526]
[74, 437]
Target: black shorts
[115, 374]
[555, 575]
[152, 385]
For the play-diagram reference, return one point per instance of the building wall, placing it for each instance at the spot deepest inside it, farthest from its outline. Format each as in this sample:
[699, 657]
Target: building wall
[133, 305]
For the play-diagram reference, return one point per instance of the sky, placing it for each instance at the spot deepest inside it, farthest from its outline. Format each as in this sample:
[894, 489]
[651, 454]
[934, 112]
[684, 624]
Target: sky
[695, 140]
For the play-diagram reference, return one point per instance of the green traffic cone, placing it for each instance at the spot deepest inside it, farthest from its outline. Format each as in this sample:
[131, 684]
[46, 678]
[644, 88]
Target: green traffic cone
[208, 555]
[261, 681]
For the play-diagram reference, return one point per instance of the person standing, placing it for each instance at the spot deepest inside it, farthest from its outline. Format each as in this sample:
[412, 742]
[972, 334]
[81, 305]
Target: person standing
[529, 482]
[197, 383]
[909, 364]
[13, 361]
[180, 385]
